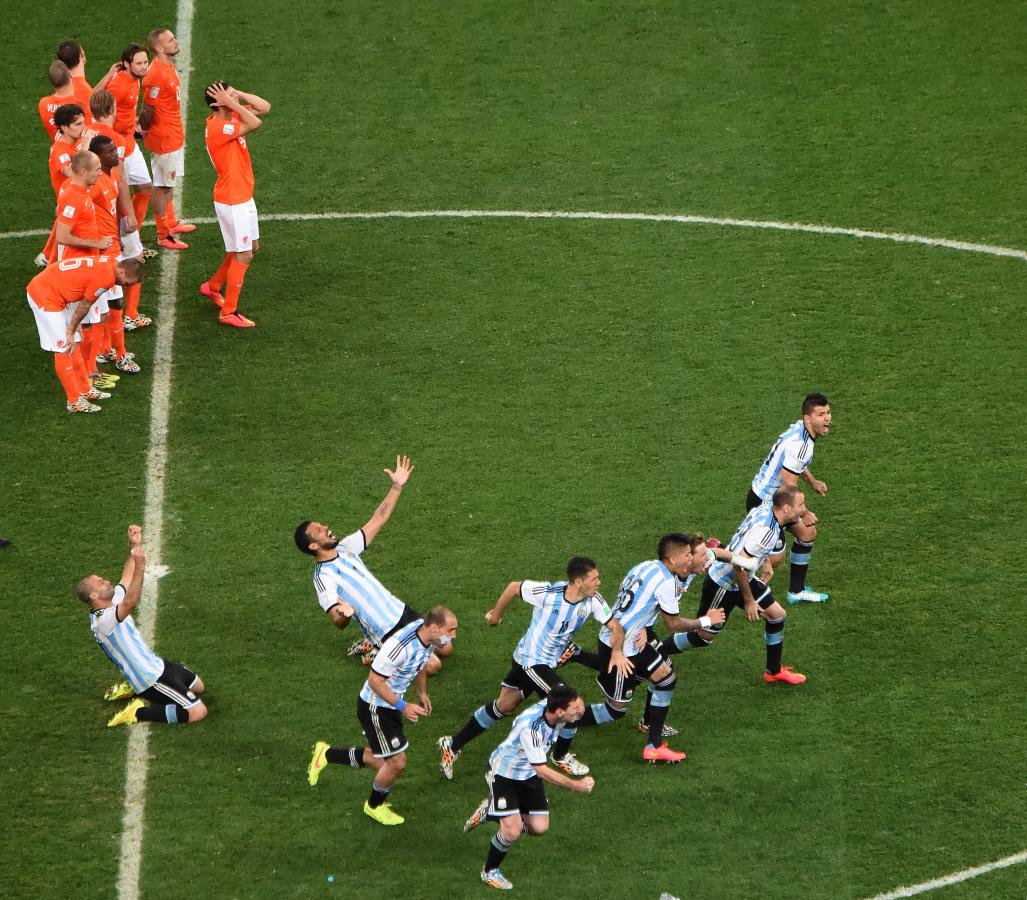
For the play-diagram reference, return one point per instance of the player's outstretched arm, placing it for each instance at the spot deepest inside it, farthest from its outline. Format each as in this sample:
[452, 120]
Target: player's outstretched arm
[679, 623]
[582, 785]
[132, 574]
[495, 615]
[384, 511]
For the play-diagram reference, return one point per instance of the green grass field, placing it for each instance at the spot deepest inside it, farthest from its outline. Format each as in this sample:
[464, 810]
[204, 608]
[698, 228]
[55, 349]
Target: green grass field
[565, 387]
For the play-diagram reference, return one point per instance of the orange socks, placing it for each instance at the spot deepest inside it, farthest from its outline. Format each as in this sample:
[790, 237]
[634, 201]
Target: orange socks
[217, 280]
[50, 250]
[132, 292]
[140, 203]
[65, 366]
[236, 276]
[162, 224]
[171, 217]
[117, 330]
[78, 359]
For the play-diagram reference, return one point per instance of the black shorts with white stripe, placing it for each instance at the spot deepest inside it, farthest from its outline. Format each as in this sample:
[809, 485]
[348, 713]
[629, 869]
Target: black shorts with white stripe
[620, 687]
[384, 729]
[507, 796]
[175, 685]
[752, 500]
[408, 615]
[716, 597]
[532, 679]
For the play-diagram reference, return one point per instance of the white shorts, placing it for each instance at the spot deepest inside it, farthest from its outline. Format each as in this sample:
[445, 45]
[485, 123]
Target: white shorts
[131, 246]
[99, 308]
[167, 167]
[239, 225]
[135, 167]
[52, 327]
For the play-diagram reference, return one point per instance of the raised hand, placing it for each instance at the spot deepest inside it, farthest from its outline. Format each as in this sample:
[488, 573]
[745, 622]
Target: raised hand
[403, 469]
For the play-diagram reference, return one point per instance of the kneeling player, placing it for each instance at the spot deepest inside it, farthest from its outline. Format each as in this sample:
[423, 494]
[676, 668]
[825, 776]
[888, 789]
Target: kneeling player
[517, 769]
[169, 687]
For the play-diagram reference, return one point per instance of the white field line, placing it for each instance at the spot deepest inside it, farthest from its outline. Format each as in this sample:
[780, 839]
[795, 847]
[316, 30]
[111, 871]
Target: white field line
[895, 236]
[137, 762]
[954, 878]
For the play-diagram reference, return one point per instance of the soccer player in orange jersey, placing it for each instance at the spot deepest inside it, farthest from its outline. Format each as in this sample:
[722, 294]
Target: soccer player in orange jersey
[234, 115]
[60, 298]
[70, 123]
[74, 57]
[161, 121]
[63, 92]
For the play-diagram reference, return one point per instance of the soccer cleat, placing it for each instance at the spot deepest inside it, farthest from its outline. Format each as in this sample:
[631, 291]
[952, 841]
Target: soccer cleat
[82, 406]
[127, 716]
[212, 294]
[107, 357]
[96, 394]
[41, 262]
[181, 228]
[142, 322]
[103, 382]
[786, 675]
[496, 879]
[568, 654]
[317, 762]
[383, 814]
[119, 691]
[807, 595]
[172, 243]
[127, 364]
[236, 320]
[360, 647]
[448, 754]
[569, 763]
[149, 253]
[478, 816]
[663, 753]
[668, 730]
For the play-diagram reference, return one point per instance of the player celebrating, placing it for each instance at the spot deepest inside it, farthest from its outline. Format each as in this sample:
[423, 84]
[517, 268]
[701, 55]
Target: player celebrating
[759, 541]
[161, 122]
[560, 610]
[234, 116]
[168, 686]
[381, 709]
[788, 459]
[517, 796]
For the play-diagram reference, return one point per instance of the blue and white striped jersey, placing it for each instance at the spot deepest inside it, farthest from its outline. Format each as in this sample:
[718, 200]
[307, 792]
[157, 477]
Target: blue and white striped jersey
[347, 578]
[759, 535]
[527, 744]
[554, 621]
[648, 587]
[123, 643]
[793, 451]
[401, 657]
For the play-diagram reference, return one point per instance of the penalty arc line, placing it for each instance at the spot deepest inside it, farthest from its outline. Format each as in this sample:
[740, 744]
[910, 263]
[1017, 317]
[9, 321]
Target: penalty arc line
[137, 757]
[766, 225]
[954, 878]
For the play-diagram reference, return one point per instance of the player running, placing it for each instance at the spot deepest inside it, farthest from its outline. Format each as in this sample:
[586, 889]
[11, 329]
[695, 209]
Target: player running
[235, 114]
[517, 769]
[170, 689]
[560, 609]
[789, 459]
[381, 709]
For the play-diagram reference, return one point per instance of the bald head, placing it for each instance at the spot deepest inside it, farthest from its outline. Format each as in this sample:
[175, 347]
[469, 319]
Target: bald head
[84, 161]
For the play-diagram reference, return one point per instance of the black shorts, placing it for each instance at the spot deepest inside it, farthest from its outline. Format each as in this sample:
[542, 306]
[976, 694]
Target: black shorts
[175, 685]
[714, 596]
[384, 729]
[622, 688]
[408, 615]
[508, 797]
[532, 679]
[752, 500]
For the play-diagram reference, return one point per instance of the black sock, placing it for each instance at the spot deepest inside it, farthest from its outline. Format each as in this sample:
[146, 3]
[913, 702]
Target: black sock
[499, 846]
[799, 559]
[647, 715]
[171, 713]
[346, 756]
[378, 796]
[657, 716]
[484, 718]
[587, 658]
[775, 643]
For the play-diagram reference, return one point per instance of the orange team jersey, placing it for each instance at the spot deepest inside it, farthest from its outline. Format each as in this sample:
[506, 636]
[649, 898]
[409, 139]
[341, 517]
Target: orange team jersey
[48, 106]
[61, 152]
[82, 91]
[104, 195]
[119, 139]
[125, 88]
[75, 208]
[231, 158]
[161, 90]
[70, 280]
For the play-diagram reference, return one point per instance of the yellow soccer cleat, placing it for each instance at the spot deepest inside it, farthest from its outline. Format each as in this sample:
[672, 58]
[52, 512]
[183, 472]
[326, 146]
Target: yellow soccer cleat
[317, 762]
[120, 691]
[127, 716]
[383, 814]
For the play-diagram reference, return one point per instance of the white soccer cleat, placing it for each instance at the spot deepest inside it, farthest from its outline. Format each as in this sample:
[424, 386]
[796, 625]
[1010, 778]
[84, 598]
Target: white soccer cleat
[570, 764]
[40, 261]
[447, 756]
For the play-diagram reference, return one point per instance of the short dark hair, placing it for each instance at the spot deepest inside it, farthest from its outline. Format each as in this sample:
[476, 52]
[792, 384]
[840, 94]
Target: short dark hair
[437, 615]
[82, 590]
[69, 52]
[58, 74]
[811, 401]
[785, 495]
[99, 142]
[67, 113]
[560, 697]
[130, 51]
[579, 567]
[671, 542]
[222, 84]
[302, 538]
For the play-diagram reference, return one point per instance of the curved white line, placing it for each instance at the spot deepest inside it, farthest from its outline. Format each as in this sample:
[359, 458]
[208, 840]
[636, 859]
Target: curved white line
[806, 227]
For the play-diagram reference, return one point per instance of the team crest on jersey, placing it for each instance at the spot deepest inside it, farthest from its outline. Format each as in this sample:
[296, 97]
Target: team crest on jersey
[65, 158]
[229, 128]
[154, 91]
[68, 212]
[245, 238]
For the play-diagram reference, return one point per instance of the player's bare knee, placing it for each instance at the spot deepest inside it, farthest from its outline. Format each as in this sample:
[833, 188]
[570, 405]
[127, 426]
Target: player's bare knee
[198, 687]
[510, 827]
[244, 257]
[197, 713]
[434, 665]
[398, 763]
[537, 825]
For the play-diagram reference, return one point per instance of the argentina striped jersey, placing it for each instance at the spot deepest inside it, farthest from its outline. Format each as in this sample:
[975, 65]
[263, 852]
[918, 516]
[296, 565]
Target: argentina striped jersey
[760, 535]
[347, 578]
[527, 744]
[554, 621]
[125, 646]
[648, 587]
[401, 657]
[793, 451]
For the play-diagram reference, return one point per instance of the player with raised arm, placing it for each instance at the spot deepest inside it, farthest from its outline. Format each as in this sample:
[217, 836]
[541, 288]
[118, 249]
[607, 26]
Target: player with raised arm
[517, 772]
[560, 609]
[403, 659]
[346, 588]
[170, 689]
[788, 460]
[235, 114]
[758, 542]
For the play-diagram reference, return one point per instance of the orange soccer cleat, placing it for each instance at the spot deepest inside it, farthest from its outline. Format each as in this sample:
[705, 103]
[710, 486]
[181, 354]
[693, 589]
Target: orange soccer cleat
[786, 675]
[181, 228]
[663, 753]
[236, 320]
[216, 296]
